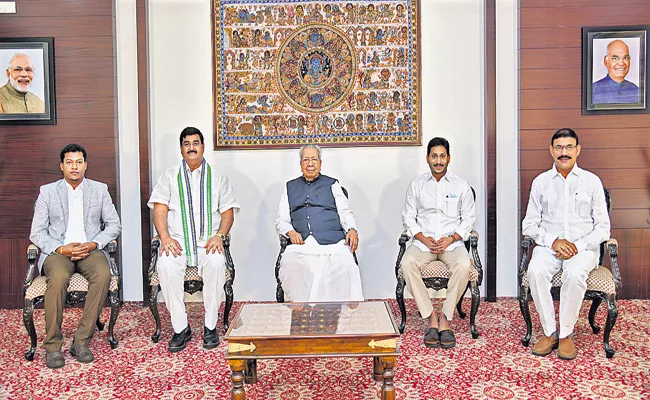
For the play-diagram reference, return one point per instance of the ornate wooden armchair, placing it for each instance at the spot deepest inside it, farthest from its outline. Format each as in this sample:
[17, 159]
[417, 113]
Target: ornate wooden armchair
[284, 242]
[34, 290]
[436, 274]
[193, 283]
[602, 284]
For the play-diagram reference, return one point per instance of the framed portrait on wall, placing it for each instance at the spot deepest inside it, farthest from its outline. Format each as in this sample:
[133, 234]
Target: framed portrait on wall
[27, 94]
[614, 70]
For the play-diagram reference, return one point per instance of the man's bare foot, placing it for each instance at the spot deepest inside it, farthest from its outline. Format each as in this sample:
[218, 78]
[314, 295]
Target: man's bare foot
[433, 320]
[443, 322]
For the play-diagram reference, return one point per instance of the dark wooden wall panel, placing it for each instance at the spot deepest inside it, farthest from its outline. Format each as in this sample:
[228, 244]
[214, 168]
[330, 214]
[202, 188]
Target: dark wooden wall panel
[615, 147]
[85, 74]
[143, 112]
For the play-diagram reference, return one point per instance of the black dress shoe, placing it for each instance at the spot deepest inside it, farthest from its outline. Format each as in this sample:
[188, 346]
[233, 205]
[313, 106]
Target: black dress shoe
[210, 338]
[179, 340]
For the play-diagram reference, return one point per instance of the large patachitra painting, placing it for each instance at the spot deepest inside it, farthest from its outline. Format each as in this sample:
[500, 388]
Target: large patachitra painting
[339, 73]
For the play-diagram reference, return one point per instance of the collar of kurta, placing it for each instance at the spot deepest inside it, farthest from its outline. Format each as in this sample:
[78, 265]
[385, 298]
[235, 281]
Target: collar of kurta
[575, 171]
[446, 177]
[312, 181]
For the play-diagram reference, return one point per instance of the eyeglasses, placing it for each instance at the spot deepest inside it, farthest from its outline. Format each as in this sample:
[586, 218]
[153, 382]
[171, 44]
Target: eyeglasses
[308, 160]
[568, 147]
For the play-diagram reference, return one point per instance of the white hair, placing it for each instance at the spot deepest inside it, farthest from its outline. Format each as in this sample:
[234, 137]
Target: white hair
[312, 146]
[16, 55]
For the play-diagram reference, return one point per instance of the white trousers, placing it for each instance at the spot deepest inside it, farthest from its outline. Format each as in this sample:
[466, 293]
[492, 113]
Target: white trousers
[575, 271]
[171, 272]
[320, 277]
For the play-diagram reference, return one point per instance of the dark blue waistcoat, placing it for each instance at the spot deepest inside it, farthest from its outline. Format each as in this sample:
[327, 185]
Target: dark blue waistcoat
[313, 209]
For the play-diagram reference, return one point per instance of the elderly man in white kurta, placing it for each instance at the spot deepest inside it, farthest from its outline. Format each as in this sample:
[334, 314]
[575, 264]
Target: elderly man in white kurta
[194, 208]
[315, 214]
[439, 214]
[567, 217]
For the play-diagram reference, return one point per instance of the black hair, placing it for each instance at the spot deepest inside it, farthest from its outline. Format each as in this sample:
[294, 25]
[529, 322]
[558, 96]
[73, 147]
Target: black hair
[438, 141]
[189, 131]
[73, 148]
[564, 132]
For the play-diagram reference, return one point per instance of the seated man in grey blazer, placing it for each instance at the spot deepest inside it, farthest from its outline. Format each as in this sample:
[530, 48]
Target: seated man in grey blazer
[67, 227]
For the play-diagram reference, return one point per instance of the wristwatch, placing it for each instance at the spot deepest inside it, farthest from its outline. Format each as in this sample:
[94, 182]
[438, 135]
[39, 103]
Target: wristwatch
[221, 235]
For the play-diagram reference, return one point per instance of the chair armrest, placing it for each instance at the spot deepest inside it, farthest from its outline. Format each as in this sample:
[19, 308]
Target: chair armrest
[612, 249]
[403, 239]
[473, 242]
[155, 247]
[284, 242]
[32, 256]
[526, 243]
[111, 247]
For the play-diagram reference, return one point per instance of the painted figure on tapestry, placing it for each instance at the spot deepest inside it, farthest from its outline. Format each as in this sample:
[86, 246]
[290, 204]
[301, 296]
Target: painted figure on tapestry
[567, 218]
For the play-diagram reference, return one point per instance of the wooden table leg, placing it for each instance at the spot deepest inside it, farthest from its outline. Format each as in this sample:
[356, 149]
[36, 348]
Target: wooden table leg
[378, 370]
[237, 378]
[250, 371]
[388, 389]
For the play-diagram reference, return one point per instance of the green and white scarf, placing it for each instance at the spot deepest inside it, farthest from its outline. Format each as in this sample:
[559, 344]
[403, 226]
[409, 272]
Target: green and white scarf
[189, 225]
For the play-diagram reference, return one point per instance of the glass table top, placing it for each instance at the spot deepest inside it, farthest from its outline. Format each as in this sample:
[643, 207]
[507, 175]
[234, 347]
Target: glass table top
[312, 319]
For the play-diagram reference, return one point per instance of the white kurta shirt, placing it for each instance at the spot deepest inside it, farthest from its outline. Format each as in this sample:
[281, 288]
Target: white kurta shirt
[311, 246]
[75, 231]
[573, 209]
[439, 208]
[166, 192]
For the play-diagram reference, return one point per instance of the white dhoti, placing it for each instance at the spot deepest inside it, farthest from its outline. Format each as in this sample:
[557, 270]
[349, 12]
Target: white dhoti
[575, 271]
[319, 273]
[171, 272]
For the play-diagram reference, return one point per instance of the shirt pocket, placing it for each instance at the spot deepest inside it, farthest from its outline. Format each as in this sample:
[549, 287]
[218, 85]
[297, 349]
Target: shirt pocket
[452, 206]
[582, 205]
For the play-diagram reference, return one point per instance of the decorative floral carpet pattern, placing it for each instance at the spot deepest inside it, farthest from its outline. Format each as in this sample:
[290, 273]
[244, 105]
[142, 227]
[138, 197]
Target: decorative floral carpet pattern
[495, 366]
[335, 72]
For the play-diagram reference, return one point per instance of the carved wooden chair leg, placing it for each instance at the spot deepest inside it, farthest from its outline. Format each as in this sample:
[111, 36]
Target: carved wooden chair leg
[250, 371]
[28, 320]
[99, 324]
[592, 314]
[227, 287]
[476, 301]
[399, 295]
[459, 306]
[114, 297]
[153, 306]
[612, 313]
[525, 312]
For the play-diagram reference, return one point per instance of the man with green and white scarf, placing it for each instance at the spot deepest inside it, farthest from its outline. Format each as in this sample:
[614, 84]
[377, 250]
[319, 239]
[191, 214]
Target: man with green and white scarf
[194, 207]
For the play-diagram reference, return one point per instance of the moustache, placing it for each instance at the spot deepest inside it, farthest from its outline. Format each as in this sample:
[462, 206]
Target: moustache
[564, 158]
[191, 151]
[439, 165]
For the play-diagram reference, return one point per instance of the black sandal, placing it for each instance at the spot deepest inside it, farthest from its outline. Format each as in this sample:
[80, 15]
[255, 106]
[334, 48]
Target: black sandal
[447, 339]
[431, 338]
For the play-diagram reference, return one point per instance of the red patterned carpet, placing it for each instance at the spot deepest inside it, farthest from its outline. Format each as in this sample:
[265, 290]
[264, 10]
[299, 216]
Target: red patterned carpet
[495, 366]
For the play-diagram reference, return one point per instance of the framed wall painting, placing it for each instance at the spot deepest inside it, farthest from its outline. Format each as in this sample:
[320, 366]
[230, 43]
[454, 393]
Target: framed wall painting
[335, 73]
[27, 87]
[615, 70]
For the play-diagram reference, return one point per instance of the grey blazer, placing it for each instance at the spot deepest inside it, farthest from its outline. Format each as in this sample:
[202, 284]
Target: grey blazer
[51, 216]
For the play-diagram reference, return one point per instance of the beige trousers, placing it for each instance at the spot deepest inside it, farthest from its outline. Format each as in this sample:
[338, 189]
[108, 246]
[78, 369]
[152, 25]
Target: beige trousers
[459, 264]
[58, 271]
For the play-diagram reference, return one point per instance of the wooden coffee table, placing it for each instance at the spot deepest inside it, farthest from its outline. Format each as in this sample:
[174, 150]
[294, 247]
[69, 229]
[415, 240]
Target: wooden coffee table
[302, 330]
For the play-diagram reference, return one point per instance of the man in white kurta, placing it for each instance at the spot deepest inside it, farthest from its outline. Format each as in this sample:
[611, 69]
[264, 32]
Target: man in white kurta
[192, 226]
[315, 214]
[567, 217]
[439, 214]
